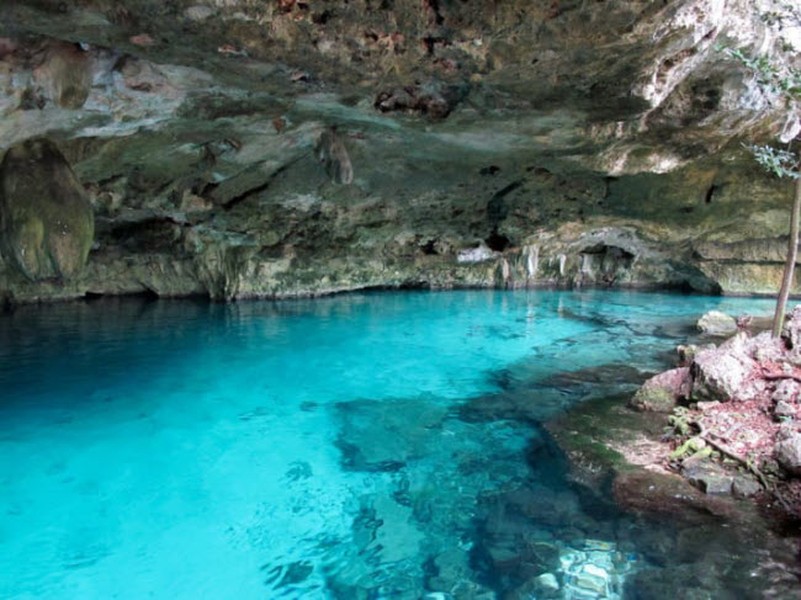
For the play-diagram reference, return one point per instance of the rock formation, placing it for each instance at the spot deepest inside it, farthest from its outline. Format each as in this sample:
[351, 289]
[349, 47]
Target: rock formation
[46, 221]
[741, 400]
[579, 143]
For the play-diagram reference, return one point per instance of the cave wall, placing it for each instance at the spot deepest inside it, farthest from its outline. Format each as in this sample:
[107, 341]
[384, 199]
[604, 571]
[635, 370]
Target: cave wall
[245, 149]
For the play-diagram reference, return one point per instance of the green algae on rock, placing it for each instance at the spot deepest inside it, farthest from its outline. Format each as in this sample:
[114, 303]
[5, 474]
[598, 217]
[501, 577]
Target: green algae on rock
[46, 221]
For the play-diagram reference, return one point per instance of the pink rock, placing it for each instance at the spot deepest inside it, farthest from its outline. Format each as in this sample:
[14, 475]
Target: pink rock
[661, 392]
[725, 373]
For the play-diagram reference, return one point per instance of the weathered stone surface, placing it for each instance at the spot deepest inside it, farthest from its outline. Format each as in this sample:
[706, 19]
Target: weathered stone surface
[786, 391]
[721, 373]
[788, 453]
[462, 124]
[707, 476]
[744, 486]
[717, 323]
[661, 392]
[46, 221]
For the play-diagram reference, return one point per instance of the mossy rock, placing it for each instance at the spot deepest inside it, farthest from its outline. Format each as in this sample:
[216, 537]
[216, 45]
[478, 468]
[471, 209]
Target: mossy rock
[46, 220]
[653, 399]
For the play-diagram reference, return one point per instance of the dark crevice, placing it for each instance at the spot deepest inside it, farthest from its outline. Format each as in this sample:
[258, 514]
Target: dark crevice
[608, 181]
[255, 190]
[709, 193]
[429, 248]
[498, 242]
[508, 189]
[434, 6]
[496, 207]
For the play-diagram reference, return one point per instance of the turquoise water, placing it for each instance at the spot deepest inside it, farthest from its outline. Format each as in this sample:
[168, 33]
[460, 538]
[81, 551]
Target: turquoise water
[334, 448]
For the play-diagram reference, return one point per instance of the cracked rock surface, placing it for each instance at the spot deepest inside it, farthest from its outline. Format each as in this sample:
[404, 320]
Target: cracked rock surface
[269, 149]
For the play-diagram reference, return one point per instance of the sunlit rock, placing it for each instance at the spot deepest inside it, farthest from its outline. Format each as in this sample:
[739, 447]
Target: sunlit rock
[718, 323]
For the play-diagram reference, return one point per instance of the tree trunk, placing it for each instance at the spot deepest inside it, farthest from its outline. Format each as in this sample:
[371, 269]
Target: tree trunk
[789, 265]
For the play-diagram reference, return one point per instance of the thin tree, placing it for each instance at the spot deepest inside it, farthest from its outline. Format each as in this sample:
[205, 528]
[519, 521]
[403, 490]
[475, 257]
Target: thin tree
[778, 79]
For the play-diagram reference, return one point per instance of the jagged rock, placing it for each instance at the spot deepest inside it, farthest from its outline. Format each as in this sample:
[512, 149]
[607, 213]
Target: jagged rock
[331, 151]
[661, 392]
[784, 410]
[722, 373]
[791, 331]
[46, 220]
[474, 255]
[788, 453]
[717, 323]
[433, 100]
[786, 391]
[621, 167]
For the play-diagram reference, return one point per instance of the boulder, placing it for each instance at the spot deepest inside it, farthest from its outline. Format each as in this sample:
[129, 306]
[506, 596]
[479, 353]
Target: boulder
[786, 391]
[788, 453]
[661, 392]
[717, 323]
[46, 220]
[723, 373]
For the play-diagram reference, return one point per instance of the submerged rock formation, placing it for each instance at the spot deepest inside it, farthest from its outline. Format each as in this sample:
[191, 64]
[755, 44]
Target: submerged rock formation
[563, 143]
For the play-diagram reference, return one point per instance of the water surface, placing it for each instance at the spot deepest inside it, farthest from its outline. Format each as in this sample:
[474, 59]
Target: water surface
[334, 448]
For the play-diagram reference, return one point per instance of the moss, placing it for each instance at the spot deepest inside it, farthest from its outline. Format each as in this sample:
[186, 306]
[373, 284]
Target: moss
[653, 399]
[46, 221]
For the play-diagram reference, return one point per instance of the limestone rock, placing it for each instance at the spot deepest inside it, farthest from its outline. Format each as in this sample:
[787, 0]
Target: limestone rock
[786, 391]
[717, 323]
[785, 410]
[744, 486]
[788, 453]
[465, 121]
[707, 476]
[661, 392]
[722, 373]
[46, 220]
[65, 77]
[791, 330]
[333, 154]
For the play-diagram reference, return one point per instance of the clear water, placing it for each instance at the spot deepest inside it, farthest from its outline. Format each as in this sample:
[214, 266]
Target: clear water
[307, 449]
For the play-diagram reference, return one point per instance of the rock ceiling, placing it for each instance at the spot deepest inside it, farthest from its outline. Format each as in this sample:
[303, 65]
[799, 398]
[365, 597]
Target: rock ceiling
[268, 148]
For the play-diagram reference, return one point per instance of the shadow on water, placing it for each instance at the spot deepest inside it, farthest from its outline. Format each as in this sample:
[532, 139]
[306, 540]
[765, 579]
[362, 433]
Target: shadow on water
[498, 506]
[473, 496]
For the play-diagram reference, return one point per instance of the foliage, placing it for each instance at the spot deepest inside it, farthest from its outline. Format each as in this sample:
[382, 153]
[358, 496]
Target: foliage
[785, 82]
[781, 163]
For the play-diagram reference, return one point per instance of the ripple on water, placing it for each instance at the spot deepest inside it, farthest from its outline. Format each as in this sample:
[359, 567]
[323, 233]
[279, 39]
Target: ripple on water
[363, 446]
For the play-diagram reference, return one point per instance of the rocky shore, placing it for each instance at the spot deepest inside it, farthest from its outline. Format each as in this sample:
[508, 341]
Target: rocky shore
[733, 414]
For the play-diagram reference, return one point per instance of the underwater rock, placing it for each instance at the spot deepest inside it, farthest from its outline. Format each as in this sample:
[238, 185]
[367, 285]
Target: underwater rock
[381, 436]
[707, 476]
[434, 99]
[46, 220]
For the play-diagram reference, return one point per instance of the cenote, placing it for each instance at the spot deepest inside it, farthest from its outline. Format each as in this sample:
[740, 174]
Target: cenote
[369, 445]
